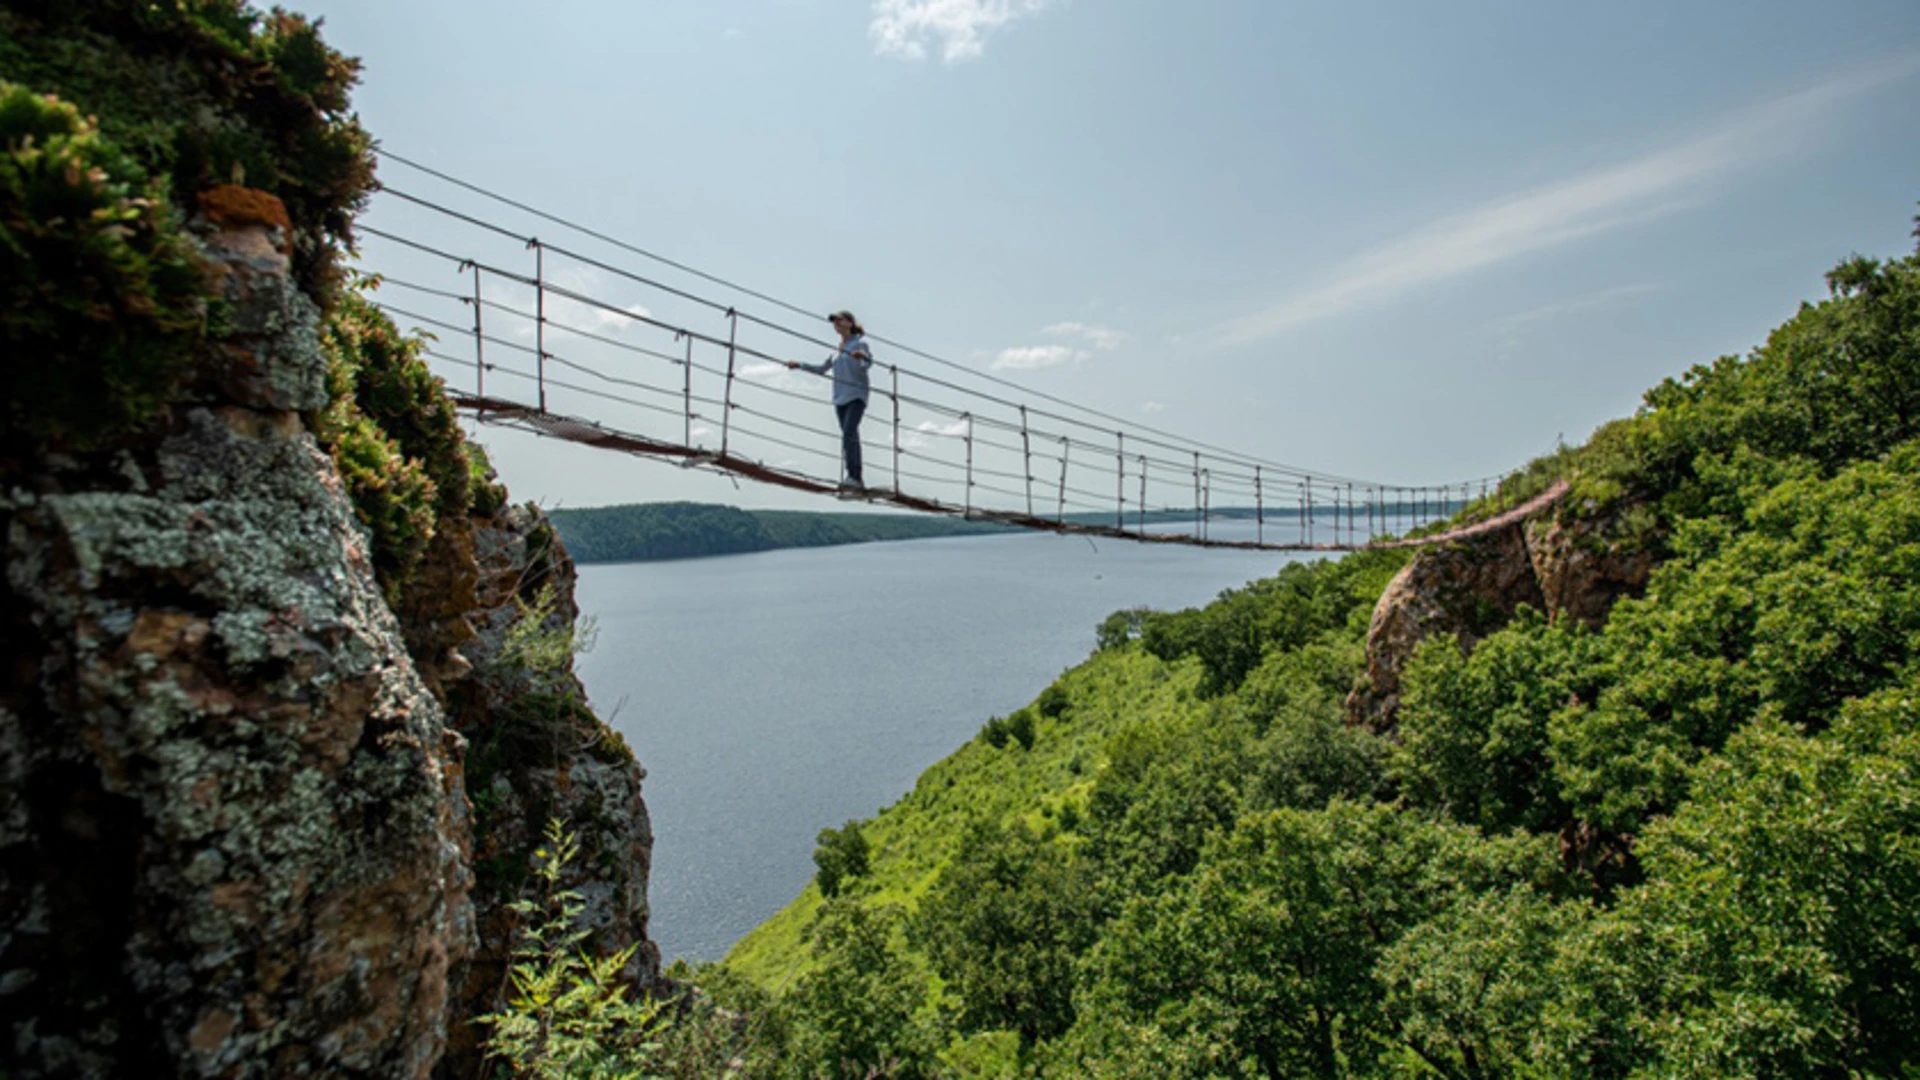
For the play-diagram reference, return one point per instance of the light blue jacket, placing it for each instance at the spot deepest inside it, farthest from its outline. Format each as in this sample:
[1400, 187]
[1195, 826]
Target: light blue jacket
[849, 366]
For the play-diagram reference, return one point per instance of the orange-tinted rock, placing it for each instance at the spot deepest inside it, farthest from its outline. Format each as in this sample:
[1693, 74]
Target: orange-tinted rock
[231, 205]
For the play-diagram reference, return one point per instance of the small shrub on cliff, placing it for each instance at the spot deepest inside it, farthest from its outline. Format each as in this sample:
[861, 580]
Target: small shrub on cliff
[1119, 628]
[382, 371]
[541, 645]
[568, 1016]
[841, 855]
[994, 732]
[102, 299]
[393, 436]
[545, 717]
[489, 495]
[1018, 727]
[1054, 702]
[392, 495]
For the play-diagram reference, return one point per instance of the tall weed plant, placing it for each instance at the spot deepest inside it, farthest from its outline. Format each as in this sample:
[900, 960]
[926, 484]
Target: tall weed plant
[568, 1015]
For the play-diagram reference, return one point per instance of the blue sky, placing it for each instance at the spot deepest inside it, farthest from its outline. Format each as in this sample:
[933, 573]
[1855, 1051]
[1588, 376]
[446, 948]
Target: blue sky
[1403, 241]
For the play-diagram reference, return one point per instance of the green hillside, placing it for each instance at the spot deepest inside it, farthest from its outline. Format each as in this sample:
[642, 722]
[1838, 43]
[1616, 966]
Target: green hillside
[644, 532]
[1685, 843]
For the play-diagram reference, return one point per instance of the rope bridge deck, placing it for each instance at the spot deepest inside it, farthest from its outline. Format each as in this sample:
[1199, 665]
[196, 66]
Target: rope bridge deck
[587, 433]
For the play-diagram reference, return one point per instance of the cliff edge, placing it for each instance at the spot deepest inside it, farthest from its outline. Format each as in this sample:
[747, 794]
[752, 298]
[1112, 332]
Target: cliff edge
[269, 777]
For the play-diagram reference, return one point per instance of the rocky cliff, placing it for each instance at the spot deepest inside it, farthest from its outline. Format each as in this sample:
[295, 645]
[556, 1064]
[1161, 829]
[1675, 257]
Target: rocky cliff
[273, 749]
[538, 752]
[1573, 564]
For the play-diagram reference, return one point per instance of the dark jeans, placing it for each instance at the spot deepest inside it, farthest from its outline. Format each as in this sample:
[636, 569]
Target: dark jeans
[850, 415]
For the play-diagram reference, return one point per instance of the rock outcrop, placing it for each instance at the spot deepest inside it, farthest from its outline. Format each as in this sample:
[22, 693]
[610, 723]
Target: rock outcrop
[254, 613]
[1584, 566]
[232, 834]
[1570, 566]
[236, 835]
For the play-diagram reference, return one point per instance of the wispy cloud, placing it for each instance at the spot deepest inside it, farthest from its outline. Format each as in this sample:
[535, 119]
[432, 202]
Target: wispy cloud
[958, 29]
[563, 313]
[1151, 407]
[1100, 337]
[1510, 327]
[1030, 357]
[1631, 193]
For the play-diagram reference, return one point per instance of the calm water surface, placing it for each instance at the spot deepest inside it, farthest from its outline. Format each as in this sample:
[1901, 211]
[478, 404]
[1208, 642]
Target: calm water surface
[773, 695]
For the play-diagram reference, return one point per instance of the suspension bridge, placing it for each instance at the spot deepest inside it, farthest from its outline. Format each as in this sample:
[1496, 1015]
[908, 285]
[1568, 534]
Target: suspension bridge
[604, 344]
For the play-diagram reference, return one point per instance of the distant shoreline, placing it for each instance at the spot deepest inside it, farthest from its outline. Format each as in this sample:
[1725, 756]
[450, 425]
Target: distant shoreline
[659, 532]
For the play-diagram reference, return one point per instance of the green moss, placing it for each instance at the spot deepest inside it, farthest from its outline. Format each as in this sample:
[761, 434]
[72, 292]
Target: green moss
[393, 435]
[611, 748]
[489, 496]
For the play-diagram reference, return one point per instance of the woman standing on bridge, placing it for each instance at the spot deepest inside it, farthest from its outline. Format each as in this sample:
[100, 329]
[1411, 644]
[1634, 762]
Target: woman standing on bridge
[849, 366]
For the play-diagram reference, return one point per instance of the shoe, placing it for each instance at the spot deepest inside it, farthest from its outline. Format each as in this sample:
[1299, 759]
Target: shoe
[851, 489]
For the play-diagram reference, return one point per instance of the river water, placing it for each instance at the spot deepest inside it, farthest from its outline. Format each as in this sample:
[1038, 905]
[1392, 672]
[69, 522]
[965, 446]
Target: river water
[775, 694]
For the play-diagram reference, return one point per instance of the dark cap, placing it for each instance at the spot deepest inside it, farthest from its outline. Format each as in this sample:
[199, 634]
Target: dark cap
[847, 315]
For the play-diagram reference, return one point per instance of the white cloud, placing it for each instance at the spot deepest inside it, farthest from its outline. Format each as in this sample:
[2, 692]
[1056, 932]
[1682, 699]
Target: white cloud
[769, 373]
[1151, 407]
[1029, 357]
[1631, 193]
[959, 28]
[1100, 337]
[917, 437]
[1082, 339]
[593, 317]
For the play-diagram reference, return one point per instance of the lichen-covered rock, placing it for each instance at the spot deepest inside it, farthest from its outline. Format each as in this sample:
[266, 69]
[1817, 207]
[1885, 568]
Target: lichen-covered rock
[270, 357]
[233, 836]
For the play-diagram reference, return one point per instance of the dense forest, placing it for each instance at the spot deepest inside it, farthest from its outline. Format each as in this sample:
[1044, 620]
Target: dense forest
[1679, 840]
[680, 530]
